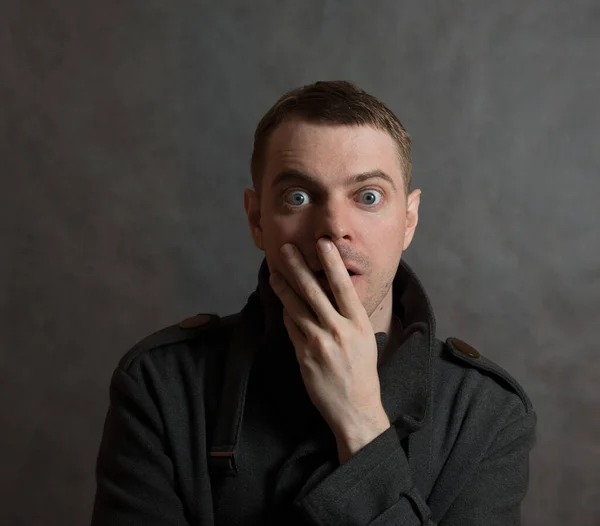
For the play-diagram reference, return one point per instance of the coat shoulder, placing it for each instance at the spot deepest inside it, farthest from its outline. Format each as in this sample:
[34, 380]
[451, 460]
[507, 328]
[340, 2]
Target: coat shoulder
[193, 329]
[460, 358]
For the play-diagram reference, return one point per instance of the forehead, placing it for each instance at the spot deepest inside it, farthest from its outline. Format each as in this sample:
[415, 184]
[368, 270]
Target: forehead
[330, 152]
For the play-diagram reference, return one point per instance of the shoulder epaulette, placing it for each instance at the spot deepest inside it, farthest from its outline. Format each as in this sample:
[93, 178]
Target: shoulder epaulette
[187, 329]
[467, 353]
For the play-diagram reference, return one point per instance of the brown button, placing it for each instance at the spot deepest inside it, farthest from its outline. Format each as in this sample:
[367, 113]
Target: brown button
[195, 321]
[465, 348]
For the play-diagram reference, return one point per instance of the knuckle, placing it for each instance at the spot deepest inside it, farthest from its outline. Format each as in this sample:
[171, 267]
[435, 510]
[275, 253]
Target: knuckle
[338, 336]
[311, 292]
[317, 341]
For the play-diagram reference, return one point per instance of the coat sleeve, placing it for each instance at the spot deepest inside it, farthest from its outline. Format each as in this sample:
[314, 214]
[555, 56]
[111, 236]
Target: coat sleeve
[134, 475]
[375, 486]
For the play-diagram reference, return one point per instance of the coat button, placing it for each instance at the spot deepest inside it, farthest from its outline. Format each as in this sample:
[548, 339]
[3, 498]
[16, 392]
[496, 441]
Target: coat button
[465, 348]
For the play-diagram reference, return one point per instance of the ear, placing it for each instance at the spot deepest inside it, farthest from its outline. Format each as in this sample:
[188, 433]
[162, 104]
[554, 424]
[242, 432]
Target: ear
[412, 216]
[252, 207]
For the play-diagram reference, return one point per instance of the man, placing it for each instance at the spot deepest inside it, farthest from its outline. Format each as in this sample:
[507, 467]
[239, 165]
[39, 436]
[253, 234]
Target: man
[328, 400]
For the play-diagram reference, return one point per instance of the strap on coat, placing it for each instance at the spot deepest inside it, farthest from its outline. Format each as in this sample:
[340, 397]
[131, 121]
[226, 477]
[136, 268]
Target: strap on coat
[222, 457]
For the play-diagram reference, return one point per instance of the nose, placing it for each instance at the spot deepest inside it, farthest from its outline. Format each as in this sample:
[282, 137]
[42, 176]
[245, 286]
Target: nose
[333, 222]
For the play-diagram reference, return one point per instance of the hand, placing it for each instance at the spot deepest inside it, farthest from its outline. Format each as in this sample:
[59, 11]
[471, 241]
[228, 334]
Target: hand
[336, 351]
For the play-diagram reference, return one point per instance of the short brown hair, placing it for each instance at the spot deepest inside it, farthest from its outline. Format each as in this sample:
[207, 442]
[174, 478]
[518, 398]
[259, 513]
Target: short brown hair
[330, 102]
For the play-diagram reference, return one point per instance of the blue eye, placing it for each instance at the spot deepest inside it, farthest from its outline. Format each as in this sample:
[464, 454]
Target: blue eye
[297, 201]
[372, 192]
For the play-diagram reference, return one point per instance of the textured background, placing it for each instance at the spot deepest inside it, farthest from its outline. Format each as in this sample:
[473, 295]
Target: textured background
[125, 136]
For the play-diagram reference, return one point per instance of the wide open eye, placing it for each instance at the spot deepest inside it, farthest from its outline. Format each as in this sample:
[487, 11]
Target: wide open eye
[297, 198]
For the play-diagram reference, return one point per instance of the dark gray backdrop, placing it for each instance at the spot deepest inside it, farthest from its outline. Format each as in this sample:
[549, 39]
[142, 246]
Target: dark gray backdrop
[125, 135]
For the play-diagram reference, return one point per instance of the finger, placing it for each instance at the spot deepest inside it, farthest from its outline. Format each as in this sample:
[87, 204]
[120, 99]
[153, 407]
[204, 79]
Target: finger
[340, 282]
[296, 335]
[297, 309]
[309, 287]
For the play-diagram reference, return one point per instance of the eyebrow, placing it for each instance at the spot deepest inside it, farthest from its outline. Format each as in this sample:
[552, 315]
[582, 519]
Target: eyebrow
[293, 175]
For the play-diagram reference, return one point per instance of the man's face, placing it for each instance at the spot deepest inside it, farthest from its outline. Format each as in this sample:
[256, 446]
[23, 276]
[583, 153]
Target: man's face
[369, 221]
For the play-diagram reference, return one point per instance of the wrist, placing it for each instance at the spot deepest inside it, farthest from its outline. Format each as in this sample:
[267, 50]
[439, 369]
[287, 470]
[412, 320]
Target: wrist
[350, 441]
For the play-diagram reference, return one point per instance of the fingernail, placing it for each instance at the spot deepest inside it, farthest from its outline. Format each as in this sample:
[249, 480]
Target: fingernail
[288, 250]
[324, 245]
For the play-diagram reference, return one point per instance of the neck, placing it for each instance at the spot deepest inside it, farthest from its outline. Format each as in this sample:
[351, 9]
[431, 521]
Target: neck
[381, 319]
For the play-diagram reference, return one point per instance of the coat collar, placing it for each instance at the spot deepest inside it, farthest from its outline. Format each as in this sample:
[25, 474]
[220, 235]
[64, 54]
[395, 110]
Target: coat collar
[405, 370]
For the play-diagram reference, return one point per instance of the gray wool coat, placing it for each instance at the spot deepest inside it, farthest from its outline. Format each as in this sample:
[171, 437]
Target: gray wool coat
[457, 452]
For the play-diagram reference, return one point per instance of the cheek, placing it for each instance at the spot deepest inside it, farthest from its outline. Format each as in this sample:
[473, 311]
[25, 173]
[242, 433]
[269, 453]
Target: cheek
[385, 237]
[277, 232]
[395, 238]
[281, 229]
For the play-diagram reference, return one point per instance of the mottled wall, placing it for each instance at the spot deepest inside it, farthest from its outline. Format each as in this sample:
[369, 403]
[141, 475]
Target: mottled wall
[125, 136]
